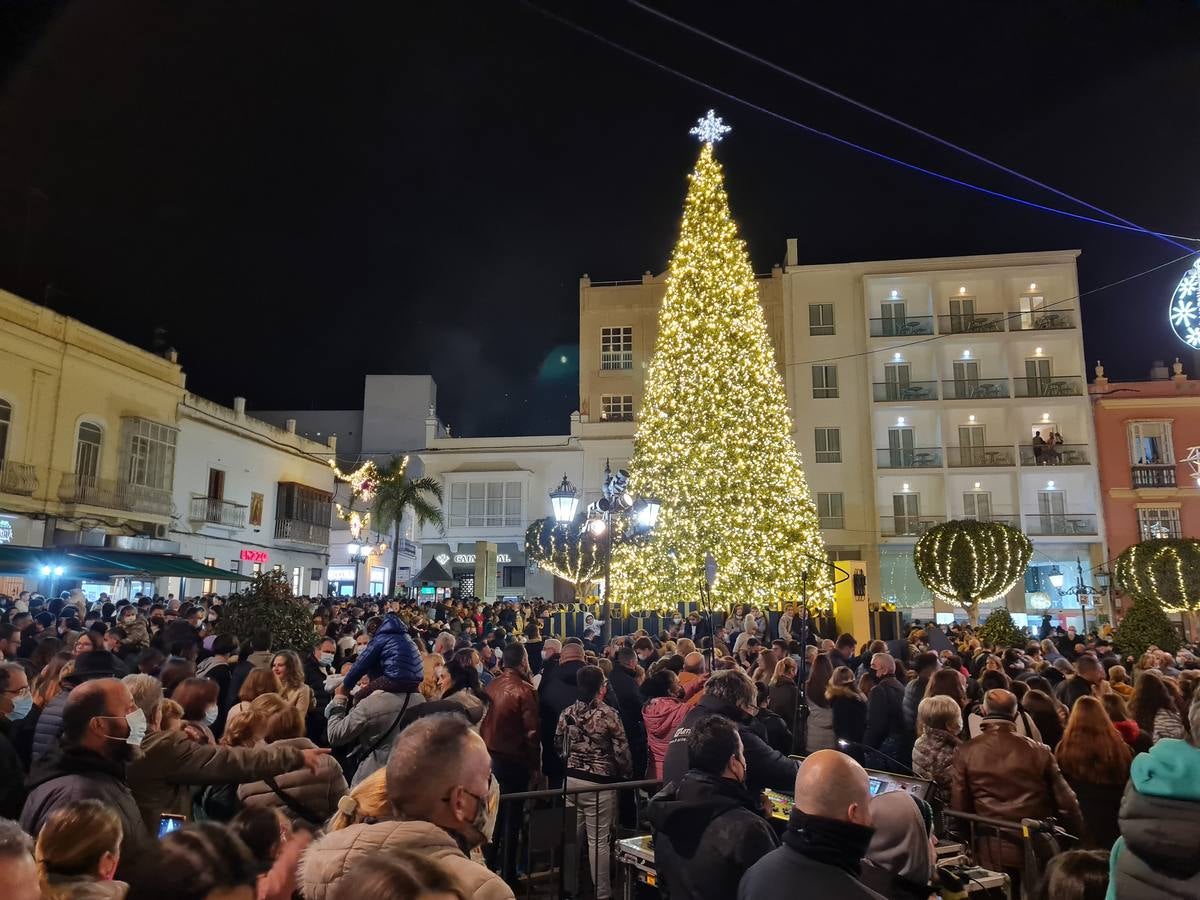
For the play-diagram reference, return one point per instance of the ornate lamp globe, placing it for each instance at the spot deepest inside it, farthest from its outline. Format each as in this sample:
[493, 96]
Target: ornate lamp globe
[564, 502]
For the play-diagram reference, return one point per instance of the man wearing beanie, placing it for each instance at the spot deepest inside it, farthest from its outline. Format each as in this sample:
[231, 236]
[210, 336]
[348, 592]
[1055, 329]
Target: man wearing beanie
[1158, 852]
[556, 692]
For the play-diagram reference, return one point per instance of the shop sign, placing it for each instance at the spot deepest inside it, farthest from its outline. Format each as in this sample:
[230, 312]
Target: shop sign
[468, 559]
[254, 556]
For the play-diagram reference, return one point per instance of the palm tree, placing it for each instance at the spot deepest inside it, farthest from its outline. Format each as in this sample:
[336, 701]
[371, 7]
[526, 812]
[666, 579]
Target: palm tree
[395, 494]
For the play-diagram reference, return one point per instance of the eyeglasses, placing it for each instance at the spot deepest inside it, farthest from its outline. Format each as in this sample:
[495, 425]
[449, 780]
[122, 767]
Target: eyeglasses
[18, 692]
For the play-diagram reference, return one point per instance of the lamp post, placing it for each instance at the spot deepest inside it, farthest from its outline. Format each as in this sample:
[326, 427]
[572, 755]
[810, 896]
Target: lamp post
[357, 552]
[1104, 579]
[1083, 593]
[564, 502]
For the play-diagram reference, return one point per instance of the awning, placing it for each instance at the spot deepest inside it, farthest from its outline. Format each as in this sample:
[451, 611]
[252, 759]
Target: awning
[99, 561]
[434, 574]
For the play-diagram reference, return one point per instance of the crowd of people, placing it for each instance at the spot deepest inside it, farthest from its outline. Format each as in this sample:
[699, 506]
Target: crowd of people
[146, 751]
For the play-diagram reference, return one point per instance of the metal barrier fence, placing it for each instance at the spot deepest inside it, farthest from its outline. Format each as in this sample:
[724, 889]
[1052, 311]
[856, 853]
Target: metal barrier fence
[549, 847]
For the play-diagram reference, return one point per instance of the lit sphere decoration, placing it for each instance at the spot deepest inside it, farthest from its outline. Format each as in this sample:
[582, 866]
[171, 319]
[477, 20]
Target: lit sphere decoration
[967, 562]
[1185, 307]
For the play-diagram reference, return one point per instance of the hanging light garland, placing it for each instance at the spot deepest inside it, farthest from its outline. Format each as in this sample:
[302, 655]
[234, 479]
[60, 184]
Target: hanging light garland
[363, 481]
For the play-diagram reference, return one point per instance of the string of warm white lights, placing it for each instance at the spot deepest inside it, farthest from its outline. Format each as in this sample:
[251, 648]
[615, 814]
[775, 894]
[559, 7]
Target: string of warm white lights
[714, 442]
[966, 562]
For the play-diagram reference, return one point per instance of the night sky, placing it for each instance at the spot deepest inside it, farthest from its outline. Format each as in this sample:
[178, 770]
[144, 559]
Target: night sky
[300, 193]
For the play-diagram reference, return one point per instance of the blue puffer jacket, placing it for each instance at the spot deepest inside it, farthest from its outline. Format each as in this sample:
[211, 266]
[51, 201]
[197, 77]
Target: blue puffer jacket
[392, 654]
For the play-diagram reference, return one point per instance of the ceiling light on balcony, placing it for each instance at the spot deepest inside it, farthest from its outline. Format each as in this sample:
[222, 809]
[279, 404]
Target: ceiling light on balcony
[970, 418]
[897, 357]
[977, 485]
[904, 487]
[1049, 485]
[966, 354]
[1037, 351]
[1032, 286]
[900, 420]
[962, 289]
[895, 293]
[1045, 417]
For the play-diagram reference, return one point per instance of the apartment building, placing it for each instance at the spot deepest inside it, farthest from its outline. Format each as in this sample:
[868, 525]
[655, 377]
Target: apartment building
[921, 390]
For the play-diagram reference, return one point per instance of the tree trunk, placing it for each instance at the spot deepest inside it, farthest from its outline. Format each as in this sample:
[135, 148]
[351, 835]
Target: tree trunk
[395, 556]
[972, 609]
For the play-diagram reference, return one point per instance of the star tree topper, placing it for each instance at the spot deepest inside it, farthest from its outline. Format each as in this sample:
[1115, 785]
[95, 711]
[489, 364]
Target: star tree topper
[710, 129]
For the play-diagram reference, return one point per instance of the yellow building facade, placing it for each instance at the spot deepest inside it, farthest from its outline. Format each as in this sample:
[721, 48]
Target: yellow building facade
[87, 431]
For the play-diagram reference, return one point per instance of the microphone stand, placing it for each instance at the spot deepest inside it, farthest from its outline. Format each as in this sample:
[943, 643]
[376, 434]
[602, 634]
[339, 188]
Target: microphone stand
[800, 716]
[562, 846]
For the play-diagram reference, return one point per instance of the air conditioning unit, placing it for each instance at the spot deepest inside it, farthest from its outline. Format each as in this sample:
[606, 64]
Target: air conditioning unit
[160, 532]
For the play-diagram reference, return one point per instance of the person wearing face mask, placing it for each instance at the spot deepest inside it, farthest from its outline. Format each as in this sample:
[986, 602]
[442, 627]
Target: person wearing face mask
[443, 799]
[103, 731]
[708, 828]
[15, 704]
[827, 836]
[318, 668]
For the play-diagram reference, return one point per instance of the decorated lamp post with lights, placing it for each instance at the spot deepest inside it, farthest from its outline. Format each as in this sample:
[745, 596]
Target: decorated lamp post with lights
[633, 516]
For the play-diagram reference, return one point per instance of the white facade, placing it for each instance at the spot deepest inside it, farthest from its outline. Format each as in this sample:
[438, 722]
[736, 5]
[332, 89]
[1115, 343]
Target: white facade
[248, 497]
[932, 377]
[494, 487]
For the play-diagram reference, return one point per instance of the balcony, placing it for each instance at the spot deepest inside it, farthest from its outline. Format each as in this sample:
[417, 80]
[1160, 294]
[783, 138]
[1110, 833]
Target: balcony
[906, 327]
[1041, 321]
[909, 458]
[17, 478]
[1055, 455]
[891, 391]
[907, 526]
[972, 323]
[1157, 476]
[215, 511]
[1049, 386]
[975, 389]
[1010, 519]
[980, 457]
[302, 532]
[1064, 524]
[106, 493]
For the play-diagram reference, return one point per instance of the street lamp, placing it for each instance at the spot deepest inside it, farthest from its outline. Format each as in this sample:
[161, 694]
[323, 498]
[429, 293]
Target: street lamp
[564, 502]
[1056, 578]
[1082, 593]
[1104, 579]
[357, 552]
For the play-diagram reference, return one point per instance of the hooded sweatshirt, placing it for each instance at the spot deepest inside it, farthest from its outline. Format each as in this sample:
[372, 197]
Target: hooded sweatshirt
[1156, 857]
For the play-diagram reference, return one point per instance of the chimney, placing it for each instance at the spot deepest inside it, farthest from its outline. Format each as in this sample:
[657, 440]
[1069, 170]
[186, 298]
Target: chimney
[1177, 368]
[1158, 371]
[332, 442]
[239, 407]
[289, 425]
[1100, 381]
[793, 252]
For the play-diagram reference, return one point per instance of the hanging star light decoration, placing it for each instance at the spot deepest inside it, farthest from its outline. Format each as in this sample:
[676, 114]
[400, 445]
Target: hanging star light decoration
[1184, 311]
[711, 128]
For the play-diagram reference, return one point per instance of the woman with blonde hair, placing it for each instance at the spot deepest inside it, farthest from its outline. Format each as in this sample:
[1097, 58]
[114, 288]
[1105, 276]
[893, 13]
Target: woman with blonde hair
[1118, 679]
[257, 683]
[172, 715]
[366, 804]
[290, 671]
[433, 665]
[77, 853]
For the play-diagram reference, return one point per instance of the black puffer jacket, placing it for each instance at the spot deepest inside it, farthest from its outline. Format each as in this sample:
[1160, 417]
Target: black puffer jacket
[765, 767]
[47, 735]
[556, 692]
[707, 833]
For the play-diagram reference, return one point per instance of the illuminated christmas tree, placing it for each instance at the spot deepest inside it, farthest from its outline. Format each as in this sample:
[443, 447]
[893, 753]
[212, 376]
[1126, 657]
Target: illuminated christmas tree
[714, 443]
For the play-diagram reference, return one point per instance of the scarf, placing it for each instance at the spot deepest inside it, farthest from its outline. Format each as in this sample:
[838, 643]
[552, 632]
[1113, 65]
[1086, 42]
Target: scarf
[828, 841]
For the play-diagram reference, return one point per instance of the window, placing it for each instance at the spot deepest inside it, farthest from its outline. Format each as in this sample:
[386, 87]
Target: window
[485, 504]
[235, 565]
[5, 421]
[825, 382]
[1159, 523]
[616, 407]
[277, 567]
[906, 512]
[616, 348]
[216, 484]
[148, 451]
[256, 509]
[1150, 444]
[296, 581]
[820, 318]
[256, 569]
[830, 511]
[829, 444]
[977, 505]
[207, 586]
[87, 453]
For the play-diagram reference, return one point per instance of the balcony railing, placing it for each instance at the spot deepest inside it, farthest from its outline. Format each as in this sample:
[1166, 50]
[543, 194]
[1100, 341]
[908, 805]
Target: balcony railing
[1004, 518]
[301, 532]
[979, 457]
[906, 526]
[905, 327]
[1048, 386]
[909, 458]
[974, 388]
[17, 478]
[108, 493]
[1048, 524]
[1055, 455]
[1153, 476]
[971, 323]
[905, 393]
[1041, 321]
[217, 512]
